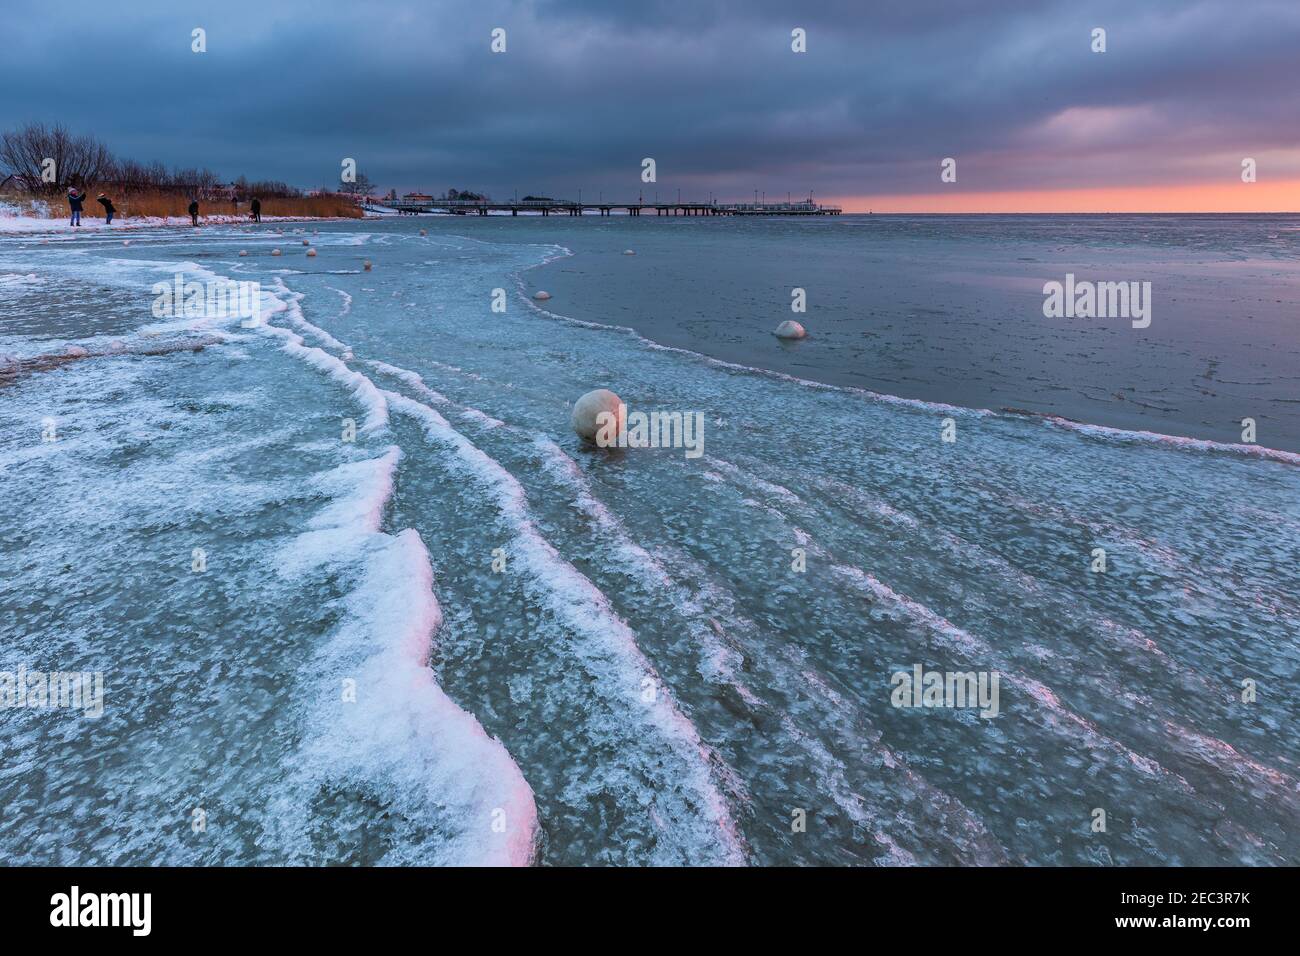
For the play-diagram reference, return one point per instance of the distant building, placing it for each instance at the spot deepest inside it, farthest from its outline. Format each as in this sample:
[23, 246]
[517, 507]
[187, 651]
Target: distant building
[417, 197]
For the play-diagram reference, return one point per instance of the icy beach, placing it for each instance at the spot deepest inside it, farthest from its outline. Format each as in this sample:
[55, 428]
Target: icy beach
[358, 593]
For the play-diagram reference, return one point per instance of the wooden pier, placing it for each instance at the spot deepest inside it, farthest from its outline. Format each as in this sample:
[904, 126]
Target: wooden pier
[564, 207]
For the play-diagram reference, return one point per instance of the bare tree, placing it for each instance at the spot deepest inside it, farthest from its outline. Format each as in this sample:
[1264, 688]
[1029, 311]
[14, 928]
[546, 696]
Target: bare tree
[77, 160]
[83, 161]
[361, 187]
[273, 188]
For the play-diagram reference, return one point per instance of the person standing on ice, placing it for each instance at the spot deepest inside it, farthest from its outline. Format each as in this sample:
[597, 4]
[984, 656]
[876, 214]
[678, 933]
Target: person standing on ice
[75, 199]
[257, 210]
[108, 209]
[194, 211]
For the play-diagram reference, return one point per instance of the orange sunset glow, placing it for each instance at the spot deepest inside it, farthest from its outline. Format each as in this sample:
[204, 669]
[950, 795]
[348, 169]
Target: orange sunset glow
[1283, 196]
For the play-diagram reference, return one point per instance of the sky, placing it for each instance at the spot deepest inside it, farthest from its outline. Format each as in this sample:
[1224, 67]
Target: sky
[710, 89]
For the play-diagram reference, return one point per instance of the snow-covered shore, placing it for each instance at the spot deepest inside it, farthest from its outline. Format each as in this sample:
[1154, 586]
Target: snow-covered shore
[31, 224]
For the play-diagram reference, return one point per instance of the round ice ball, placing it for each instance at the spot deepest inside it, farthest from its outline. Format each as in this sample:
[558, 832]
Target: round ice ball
[790, 329]
[243, 252]
[76, 351]
[368, 265]
[275, 252]
[126, 242]
[424, 232]
[629, 252]
[588, 409]
[306, 242]
[541, 296]
[311, 252]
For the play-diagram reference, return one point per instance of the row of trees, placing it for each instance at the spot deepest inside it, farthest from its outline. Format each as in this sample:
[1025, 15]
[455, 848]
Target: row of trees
[46, 160]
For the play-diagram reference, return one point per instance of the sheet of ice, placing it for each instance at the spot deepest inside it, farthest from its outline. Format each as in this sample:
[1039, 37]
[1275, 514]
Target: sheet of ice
[521, 689]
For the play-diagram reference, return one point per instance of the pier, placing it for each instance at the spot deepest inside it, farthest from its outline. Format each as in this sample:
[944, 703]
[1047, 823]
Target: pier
[565, 207]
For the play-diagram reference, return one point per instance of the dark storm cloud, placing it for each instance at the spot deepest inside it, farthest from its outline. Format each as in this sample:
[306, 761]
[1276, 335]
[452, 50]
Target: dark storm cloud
[711, 90]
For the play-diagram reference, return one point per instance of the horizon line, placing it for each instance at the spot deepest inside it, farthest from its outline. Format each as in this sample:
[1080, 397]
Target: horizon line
[1232, 197]
[1081, 212]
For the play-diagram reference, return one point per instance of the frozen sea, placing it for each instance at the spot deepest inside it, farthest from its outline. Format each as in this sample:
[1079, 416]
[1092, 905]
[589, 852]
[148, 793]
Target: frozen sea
[359, 595]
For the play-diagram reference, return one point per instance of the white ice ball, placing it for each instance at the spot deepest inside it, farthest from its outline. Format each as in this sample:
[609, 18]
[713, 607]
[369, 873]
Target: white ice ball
[541, 296]
[629, 252]
[243, 252]
[790, 329]
[590, 406]
[76, 351]
[367, 265]
[275, 252]
[311, 252]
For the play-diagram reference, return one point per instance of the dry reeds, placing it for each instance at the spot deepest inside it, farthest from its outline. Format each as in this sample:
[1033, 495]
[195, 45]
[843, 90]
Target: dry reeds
[159, 203]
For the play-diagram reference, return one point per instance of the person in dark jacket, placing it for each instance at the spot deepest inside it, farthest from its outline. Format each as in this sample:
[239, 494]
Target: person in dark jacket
[257, 210]
[108, 209]
[194, 211]
[75, 199]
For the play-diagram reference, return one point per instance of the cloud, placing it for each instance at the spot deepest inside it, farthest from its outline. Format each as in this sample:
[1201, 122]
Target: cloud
[709, 88]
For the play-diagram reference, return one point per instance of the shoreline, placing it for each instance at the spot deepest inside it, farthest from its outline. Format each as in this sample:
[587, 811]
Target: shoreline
[27, 225]
[968, 335]
[1084, 428]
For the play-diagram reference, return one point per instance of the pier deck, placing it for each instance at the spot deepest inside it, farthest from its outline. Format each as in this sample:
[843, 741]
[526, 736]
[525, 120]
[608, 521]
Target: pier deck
[563, 207]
